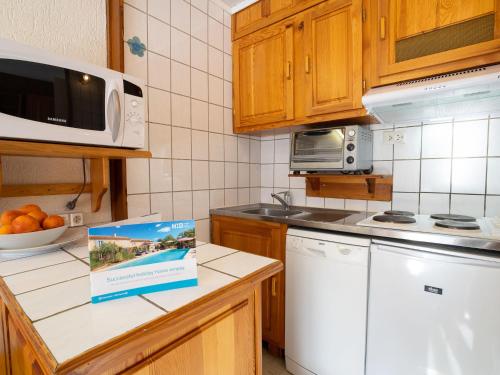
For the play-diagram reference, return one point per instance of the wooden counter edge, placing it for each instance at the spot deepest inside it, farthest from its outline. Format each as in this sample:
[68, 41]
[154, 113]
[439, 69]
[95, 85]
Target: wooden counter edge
[135, 337]
[139, 337]
[12, 310]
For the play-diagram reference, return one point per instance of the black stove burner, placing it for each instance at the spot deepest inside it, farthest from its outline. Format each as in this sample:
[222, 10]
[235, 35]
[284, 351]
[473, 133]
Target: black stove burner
[399, 213]
[457, 224]
[462, 218]
[398, 219]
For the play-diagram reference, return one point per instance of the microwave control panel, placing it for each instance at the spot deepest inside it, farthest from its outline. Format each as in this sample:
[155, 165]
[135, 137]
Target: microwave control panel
[134, 116]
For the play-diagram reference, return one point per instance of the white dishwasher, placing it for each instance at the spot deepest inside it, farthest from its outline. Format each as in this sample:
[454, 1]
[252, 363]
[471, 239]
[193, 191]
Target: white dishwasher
[326, 303]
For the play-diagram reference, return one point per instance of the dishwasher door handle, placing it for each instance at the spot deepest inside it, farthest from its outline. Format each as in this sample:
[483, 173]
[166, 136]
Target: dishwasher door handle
[317, 252]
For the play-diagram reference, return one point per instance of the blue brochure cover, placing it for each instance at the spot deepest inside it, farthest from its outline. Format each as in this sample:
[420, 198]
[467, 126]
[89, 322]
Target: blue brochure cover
[127, 260]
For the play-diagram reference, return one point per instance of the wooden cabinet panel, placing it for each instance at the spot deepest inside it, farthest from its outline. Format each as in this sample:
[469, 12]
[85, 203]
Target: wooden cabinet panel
[415, 16]
[266, 239]
[263, 76]
[22, 356]
[232, 331]
[247, 17]
[332, 42]
[410, 39]
[453, 11]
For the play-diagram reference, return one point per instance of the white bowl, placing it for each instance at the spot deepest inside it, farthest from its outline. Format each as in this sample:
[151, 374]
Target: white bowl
[32, 239]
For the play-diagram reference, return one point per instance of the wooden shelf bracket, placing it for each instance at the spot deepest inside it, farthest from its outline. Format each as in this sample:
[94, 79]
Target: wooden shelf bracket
[99, 168]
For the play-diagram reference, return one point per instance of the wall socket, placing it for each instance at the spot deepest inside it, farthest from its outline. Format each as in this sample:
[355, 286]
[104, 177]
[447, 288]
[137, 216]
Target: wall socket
[394, 137]
[75, 219]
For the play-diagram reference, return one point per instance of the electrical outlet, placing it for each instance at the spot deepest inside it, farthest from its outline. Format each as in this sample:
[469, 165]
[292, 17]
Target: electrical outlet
[399, 136]
[75, 219]
[394, 137]
[66, 218]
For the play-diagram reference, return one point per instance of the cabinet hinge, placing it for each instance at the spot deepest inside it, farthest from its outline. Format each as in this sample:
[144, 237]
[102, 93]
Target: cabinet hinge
[363, 14]
[364, 84]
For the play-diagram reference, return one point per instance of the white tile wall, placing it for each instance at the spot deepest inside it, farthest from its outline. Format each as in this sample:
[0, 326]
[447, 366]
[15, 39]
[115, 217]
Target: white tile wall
[438, 167]
[448, 167]
[198, 163]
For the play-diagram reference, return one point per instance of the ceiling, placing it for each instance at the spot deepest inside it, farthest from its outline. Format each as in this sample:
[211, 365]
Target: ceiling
[233, 6]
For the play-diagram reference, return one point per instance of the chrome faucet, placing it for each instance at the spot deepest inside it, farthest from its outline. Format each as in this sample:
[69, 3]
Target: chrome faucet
[285, 201]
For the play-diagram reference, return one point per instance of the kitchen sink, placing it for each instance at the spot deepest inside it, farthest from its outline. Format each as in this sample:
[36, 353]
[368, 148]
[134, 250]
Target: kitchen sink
[263, 211]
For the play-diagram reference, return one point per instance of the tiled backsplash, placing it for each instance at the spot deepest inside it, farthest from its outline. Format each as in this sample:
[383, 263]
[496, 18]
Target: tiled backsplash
[198, 163]
[449, 167]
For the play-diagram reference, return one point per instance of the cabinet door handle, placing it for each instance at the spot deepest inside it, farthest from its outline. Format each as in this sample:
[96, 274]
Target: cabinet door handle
[288, 70]
[308, 64]
[382, 28]
[273, 286]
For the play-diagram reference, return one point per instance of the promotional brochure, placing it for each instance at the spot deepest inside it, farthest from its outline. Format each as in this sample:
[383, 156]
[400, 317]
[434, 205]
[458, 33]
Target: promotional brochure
[131, 259]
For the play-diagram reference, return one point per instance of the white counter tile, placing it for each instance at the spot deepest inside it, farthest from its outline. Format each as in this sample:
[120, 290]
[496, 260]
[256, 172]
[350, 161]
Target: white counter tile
[24, 282]
[210, 252]
[74, 331]
[33, 262]
[208, 281]
[239, 264]
[44, 302]
[79, 251]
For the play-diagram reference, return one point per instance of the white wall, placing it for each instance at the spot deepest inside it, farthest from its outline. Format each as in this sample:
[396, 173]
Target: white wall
[442, 168]
[75, 28]
[198, 163]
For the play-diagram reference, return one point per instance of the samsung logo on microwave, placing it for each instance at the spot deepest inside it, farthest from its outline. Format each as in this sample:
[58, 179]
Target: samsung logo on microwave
[56, 119]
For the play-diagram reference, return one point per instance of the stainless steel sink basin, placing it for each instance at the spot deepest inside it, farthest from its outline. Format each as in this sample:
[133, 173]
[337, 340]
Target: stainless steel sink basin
[272, 212]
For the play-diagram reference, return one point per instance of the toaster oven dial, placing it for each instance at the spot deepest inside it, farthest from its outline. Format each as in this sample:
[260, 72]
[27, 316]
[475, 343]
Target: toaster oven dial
[350, 160]
[350, 147]
[351, 133]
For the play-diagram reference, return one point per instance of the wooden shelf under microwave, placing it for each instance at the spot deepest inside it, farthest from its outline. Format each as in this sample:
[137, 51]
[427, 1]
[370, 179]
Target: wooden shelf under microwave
[99, 168]
[365, 186]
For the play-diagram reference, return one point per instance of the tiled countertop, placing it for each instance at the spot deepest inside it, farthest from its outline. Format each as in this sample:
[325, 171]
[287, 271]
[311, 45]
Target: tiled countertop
[53, 289]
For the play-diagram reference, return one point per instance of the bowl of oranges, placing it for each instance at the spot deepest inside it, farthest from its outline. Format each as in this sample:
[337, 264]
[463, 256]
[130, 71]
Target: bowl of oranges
[28, 227]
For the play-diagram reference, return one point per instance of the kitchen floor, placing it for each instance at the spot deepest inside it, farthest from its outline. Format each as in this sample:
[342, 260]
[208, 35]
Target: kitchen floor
[272, 365]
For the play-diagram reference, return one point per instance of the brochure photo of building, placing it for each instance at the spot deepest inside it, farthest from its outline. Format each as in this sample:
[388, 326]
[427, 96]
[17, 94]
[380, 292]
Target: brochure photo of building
[123, 246]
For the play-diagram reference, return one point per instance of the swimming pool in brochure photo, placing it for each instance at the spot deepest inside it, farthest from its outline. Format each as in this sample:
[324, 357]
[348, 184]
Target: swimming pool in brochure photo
[162, 256]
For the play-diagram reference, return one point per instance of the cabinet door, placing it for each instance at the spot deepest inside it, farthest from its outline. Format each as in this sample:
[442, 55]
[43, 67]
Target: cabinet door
[263, 76]
[416, 38]
[333, 57]
[266, 239]
[22, 356]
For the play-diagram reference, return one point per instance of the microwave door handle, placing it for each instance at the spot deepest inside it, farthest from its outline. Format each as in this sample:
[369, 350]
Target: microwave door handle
[114, 114]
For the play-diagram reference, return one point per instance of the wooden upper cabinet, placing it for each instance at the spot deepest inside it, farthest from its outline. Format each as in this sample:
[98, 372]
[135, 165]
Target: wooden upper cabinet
[333, 57]
[416, 38]
[263, 79]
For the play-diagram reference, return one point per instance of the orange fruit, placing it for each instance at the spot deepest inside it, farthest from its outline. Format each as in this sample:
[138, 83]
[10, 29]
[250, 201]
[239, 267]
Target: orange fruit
[8, 216]
[40, 216]
[53, 221]
[25, 224]
[27, 208]
[6, 229]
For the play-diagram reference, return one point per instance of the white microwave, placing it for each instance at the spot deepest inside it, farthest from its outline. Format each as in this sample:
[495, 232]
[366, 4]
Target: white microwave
[45, 97]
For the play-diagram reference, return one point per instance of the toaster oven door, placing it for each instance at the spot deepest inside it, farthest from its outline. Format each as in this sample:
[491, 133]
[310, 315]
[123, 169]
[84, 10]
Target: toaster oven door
[318, 150]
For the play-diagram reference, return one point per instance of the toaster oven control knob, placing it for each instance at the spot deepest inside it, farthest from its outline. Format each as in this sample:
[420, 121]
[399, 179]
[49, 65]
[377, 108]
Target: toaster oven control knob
[350, 147]
[134, 103]
[351, 133]
[350, 160]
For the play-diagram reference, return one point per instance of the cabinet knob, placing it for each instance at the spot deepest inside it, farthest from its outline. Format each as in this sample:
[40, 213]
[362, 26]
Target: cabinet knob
[301, 26]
